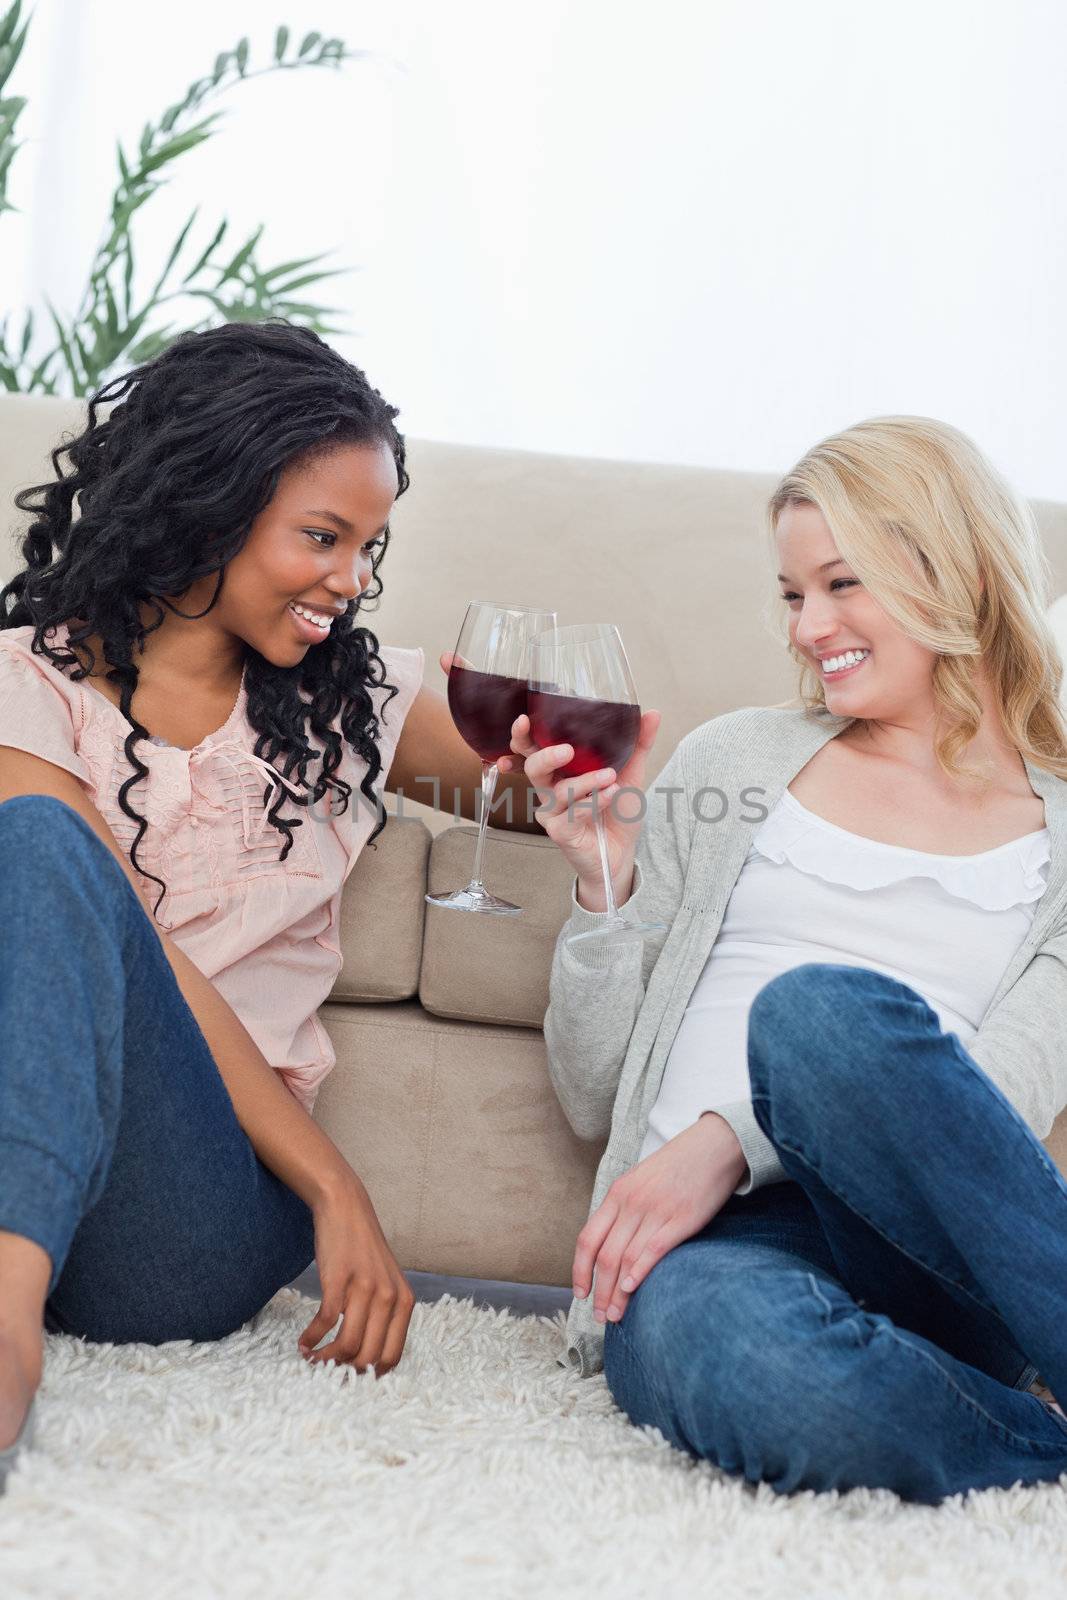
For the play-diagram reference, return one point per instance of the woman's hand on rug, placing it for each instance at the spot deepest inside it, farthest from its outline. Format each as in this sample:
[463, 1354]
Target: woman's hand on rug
[666, 1198]
[361, 1282]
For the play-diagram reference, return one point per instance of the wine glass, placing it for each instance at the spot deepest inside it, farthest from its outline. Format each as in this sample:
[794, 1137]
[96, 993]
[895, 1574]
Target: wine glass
[581, 692]
[486, 692]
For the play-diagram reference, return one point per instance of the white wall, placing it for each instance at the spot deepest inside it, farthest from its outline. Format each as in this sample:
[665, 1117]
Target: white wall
[707, 233]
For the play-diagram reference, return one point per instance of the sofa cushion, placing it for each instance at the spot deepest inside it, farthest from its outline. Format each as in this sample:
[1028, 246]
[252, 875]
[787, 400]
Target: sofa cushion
[494, 969]
[457, 1134]
[381, 917]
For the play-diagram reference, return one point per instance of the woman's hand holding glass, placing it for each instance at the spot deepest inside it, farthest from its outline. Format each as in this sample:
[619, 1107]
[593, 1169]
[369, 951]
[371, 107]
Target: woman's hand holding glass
[566, 813]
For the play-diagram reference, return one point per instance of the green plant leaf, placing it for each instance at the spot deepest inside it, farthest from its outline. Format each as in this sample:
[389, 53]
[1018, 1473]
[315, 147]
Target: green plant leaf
[9, 22]
[333, 50]
[9, 54]
[309, 43]
[179, 145]
[122, 217]
[175, 252]
[211, 297]
[281, 42]
[152, 345]
[37, 377]
[217, 240]
[293, 266]
[306, 278]
[241, 56]
[89, 366]
[195, 92]
[65, 347]
[96, 327]
[112, 313]
[240, 258]
[136, 323]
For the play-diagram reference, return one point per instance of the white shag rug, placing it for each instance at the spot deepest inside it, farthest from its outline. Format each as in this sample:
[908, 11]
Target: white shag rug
[479, 1467]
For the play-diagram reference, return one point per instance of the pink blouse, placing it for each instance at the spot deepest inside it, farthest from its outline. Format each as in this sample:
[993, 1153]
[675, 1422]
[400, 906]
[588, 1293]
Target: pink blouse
[264, 931]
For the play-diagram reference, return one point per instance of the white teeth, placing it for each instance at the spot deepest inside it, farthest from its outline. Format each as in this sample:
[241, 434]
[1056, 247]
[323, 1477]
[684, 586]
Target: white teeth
[849, 659]
[312, 616]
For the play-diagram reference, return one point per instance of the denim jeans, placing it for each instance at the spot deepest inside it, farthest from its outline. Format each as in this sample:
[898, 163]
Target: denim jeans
[120, 1151]
[877, 1318]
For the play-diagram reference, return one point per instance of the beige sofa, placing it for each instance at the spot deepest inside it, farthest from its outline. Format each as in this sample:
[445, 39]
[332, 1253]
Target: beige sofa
[441, 1098]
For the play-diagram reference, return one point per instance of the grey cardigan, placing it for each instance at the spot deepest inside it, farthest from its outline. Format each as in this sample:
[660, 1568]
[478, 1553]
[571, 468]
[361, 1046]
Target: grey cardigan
[613, 1012]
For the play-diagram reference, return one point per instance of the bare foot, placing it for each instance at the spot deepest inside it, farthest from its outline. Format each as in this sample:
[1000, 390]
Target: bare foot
[20, 1376]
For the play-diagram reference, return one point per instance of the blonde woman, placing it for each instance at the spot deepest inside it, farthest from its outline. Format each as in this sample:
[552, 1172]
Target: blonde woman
[826, 1246]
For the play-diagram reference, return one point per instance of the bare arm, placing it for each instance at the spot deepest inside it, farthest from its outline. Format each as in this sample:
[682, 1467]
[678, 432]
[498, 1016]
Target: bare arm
[434, 765]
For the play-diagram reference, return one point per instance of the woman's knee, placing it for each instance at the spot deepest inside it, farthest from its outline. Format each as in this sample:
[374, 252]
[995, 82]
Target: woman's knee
[43, 836]
[33, 822]
[824, 1021]
[53, 858]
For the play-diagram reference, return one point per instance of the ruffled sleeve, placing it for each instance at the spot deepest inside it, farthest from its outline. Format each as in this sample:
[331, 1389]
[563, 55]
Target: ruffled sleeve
[37, 709]
[1013, 874]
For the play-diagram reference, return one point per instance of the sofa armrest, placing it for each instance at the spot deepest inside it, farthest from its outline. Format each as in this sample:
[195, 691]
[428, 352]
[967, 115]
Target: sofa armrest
[481, 968]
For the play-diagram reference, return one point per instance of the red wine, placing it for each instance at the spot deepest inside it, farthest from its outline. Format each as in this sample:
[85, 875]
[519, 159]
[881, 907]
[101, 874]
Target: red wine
[602, 732]
[483, 707]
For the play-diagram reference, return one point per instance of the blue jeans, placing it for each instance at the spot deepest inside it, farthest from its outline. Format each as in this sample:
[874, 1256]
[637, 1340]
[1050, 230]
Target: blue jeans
[876, 1319]
[120, 1152]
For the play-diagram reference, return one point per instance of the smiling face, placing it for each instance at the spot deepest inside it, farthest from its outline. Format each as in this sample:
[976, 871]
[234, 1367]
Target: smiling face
[831, 614]
[313, 545]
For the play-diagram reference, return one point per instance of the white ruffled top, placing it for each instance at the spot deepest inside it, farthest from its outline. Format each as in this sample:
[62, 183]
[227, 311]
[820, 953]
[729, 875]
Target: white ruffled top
[1012, 874]
[809, 891]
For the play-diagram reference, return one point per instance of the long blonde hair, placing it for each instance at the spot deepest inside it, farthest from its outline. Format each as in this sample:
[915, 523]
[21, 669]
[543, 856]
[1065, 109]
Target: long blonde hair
[955, 558]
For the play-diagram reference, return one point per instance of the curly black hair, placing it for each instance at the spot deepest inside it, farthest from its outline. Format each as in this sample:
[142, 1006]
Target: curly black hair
[168, 484]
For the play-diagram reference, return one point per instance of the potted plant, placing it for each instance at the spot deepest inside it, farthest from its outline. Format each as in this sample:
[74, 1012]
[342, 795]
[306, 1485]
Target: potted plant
[114, 327]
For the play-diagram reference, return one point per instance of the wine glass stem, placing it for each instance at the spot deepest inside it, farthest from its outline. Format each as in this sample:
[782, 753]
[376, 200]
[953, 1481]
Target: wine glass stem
[489, 775]
[605, 867]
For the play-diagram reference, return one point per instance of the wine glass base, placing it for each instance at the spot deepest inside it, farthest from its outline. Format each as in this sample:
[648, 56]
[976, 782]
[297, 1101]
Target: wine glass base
[474, 900]
[620, 932]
